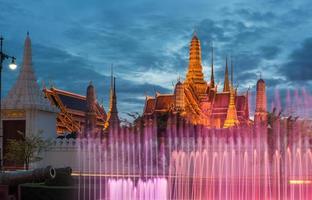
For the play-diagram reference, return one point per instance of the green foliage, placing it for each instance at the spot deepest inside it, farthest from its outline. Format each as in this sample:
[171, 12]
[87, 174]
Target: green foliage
[26, 150]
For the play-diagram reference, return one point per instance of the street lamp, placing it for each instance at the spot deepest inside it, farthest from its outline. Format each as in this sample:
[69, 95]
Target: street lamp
[12, 66]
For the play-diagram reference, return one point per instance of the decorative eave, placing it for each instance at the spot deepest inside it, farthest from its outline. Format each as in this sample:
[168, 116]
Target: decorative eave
[67, 93]
[56, 91]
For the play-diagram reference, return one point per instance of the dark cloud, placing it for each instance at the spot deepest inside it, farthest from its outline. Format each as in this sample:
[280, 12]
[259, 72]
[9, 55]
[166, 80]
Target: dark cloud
[274, 82]
[60, 69]
[299, 66]
[208, 30]
[269, 52]
[246, 61]
[256, 15]
[245, 77]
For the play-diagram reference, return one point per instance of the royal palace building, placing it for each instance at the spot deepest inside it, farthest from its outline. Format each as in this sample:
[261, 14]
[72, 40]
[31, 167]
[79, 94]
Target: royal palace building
[199, 101]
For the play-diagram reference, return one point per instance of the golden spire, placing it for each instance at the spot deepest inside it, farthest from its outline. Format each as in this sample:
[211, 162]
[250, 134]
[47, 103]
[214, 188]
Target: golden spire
[212, 83]
[112, 116]
[226, 86]
[232, 71]
[231, 116]
[195, 73]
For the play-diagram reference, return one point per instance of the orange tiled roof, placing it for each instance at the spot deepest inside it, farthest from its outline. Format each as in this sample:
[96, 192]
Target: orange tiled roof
[149, 105]
[164, 101]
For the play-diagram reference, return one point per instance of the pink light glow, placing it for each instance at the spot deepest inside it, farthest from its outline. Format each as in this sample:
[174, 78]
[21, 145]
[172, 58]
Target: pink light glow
[198, 163]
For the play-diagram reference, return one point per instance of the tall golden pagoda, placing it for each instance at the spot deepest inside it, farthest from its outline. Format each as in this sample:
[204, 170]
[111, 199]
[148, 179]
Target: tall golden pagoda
[199, 101]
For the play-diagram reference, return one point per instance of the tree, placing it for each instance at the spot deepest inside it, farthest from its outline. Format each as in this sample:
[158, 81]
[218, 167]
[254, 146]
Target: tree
[26, 150]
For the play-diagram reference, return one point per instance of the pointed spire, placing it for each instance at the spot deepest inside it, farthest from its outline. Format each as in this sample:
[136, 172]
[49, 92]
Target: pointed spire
[112, 116]
[231, 116]
[212, 82]
[113, 103]
[247, 104]
[90, 119]
[113, 107]
[112, 74]
[226, 86]
[232, 71]
[195, 69]
[91, 98]
[195, 32]
[27, 59]
[26, 92]
[114, 91]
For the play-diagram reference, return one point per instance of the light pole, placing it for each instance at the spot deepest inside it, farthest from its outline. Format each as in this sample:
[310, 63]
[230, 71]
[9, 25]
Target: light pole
[12, 66]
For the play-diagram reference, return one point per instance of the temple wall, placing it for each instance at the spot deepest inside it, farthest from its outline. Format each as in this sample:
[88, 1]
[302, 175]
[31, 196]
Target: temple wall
[62, 153]
[37, 121]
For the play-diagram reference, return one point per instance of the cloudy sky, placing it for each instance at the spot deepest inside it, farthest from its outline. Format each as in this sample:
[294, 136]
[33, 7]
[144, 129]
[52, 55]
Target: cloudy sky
[76, 41]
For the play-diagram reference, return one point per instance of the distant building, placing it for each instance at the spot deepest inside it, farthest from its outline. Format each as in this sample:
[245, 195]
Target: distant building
[198, 101]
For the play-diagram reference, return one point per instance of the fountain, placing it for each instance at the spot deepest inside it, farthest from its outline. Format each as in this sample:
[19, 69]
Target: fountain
[186, 161]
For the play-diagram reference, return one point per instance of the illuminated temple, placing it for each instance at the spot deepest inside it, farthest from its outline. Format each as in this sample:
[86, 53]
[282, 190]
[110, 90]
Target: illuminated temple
[199, 101]
[78, 113]
[194, 99]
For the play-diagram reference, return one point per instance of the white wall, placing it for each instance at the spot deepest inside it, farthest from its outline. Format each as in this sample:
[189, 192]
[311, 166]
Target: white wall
[63, 153]
[37, 120]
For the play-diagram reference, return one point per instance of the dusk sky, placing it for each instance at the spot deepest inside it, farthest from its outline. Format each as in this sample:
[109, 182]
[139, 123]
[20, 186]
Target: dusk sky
[75, 42]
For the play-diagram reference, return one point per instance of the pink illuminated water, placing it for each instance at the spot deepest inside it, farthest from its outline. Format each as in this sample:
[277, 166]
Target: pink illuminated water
[151, 189]
[186, 162]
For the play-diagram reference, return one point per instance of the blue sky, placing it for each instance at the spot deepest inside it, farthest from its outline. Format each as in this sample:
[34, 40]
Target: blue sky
[76, 41]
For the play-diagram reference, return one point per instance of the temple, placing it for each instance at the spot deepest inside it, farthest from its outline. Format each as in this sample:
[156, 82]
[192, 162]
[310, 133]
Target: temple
[199, 101]
[25, 111]
[78, 113]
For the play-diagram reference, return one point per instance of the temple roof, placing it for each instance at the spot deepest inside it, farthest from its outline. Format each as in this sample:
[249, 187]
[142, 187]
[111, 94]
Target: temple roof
[164, 101]
[149, 105]
[26, 93]
[72, 101]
